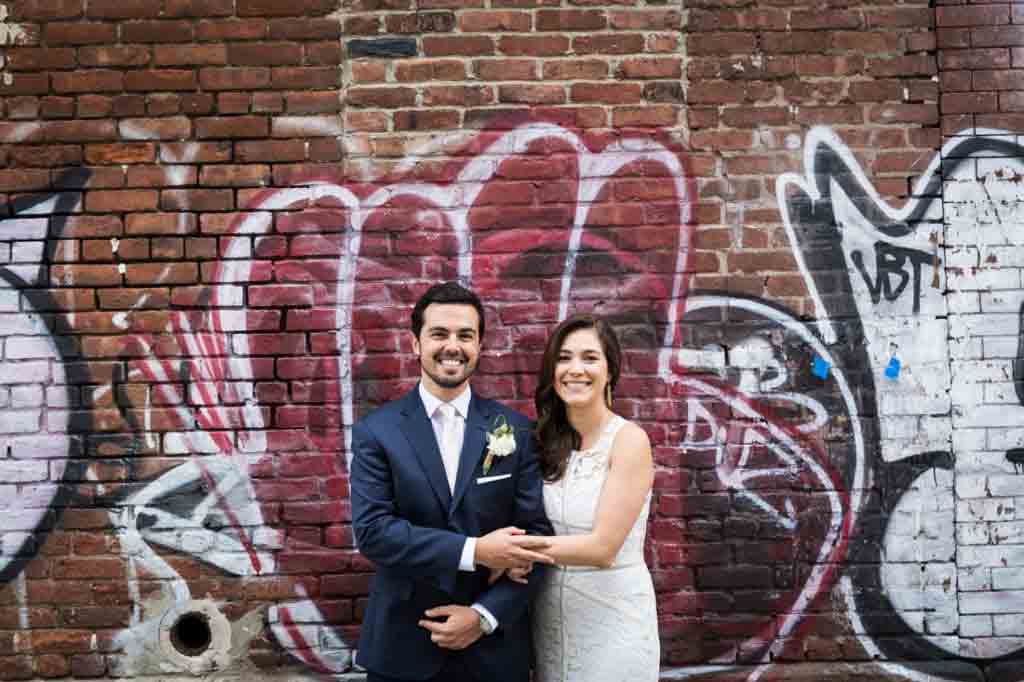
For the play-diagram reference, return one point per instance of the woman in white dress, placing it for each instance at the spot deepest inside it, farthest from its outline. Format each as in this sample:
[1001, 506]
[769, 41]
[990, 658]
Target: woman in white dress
[595, 618]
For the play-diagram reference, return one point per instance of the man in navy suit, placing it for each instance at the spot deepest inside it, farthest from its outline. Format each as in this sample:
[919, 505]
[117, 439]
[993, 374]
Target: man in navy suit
[435, 511]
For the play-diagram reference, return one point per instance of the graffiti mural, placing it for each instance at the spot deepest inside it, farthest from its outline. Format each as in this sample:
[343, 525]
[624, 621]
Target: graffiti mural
[863, 465]
[937, 300]
[329, 270]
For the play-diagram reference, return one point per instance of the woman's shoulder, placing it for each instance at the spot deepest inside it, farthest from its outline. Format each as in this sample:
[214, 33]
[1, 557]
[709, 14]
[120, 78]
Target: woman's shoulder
[630, 437]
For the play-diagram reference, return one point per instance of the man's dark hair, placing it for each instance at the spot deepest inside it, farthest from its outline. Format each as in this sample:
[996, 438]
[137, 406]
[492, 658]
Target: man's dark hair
[446, 292]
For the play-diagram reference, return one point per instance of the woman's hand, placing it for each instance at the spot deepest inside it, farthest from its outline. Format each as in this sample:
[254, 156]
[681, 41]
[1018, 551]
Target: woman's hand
[496, 574]
[519, 575]
[516, 575]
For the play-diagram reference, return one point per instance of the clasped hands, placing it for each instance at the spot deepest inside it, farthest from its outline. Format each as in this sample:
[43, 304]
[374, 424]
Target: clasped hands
[506, 551]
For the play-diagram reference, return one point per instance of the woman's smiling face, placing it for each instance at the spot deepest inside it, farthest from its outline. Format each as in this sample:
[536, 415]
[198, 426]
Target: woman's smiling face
[581, 372]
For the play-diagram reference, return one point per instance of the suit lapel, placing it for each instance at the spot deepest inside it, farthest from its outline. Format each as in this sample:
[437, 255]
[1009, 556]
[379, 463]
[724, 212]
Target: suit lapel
[473, 445]
[420, 433]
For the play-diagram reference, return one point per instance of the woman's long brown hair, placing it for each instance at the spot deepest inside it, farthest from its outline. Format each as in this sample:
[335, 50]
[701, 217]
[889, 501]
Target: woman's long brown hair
[556, 438]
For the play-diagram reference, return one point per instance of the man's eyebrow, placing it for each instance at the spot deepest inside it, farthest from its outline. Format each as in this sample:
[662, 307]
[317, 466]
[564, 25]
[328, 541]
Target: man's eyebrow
[459, 330]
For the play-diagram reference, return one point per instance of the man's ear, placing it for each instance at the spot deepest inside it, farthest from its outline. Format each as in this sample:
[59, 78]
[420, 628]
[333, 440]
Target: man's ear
[415, 343]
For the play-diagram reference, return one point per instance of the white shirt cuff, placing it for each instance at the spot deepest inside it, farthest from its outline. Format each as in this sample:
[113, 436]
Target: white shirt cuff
[468, 560]
[482, 610]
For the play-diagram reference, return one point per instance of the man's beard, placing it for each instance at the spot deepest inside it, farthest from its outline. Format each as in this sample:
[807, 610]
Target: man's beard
[448, 382]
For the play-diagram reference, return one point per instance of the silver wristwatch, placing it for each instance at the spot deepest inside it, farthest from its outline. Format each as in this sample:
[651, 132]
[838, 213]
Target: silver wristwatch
[485, 625]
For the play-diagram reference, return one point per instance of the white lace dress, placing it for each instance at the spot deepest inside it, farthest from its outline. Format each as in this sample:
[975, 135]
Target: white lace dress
[592, 624]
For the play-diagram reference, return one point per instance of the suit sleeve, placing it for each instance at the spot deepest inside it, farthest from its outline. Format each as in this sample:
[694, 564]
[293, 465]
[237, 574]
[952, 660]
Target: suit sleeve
[508, 600]
[381, 535]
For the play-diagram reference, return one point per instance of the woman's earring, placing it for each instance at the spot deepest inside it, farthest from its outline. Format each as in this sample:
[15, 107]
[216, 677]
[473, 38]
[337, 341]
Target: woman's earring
[608, 394]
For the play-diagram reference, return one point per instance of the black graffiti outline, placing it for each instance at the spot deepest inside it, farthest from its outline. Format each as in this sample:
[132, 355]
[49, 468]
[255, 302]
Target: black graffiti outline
[67, 347]
[817, 231]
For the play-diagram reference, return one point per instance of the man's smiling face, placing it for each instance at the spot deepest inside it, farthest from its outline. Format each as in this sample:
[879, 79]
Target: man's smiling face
[448, 347]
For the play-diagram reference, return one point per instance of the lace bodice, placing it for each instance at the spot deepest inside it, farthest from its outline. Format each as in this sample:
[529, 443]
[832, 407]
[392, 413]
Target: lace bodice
[595, 624]
[571, 503]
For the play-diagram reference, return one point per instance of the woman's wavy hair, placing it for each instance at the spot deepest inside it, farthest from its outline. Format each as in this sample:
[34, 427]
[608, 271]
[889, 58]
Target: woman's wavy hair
[556, 438]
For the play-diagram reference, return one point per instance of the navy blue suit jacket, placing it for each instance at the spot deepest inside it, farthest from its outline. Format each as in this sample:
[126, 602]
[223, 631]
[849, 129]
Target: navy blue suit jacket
[408, 523]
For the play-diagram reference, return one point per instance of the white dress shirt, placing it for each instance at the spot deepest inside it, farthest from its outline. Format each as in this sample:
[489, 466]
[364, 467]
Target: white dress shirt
[432, 405]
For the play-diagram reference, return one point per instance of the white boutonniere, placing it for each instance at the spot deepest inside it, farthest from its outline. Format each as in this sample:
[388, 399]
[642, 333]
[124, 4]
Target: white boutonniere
[501, 441]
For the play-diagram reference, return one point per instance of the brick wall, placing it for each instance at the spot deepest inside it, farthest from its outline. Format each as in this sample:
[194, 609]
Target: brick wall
[802, 219]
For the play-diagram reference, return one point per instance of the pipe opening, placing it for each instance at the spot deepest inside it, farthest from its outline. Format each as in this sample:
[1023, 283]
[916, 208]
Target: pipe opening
[191, 634]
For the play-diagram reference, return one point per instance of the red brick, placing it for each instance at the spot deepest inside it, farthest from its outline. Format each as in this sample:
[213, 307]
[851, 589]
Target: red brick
[651, 67]
[250, 78]
[270, 150]
[232, 127]
[50, 107]
[120, 200]
[363, 25]
[248, 175]
[859, 42]
[122, 9]
[160, 79]
[264, 54]
[891, 113]
[755, 117]
[876, 91]
[972, 15]
[197, 200]
[195, 152]
[534, 45]
[419, 23]
[39, 58]
[80, 131]
[532, 94]
[170, 128]
[199, 8]
[493, 22]
[429, 69]
[719, 43]
[126, 152]
[431, 119]
[457, 95]
[269, 102]
[996, 36]
[368, 72]
[438, 46]
[231, 29]
[51, 665]
[313, 102]
[176, 31]
[900, 17]
[623, 43]
[161, 273]
[29, 84]
[652, 20]
[571, 20]
[506, 69]
[190, 55]
[45, 10]
[88, 665]
[651, 116]
[79, 33]
[305, 29]
[18, 180]
[160, 223]
[306, 78]
[367, 121]
[276, 8]
[383, 97]
[975, 103]
[327, 53]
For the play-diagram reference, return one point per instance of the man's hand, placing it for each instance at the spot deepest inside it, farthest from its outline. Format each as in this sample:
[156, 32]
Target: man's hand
[460, 628]
[511, 548]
